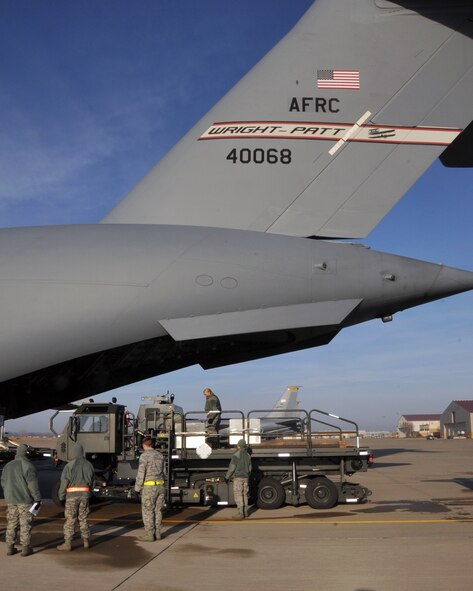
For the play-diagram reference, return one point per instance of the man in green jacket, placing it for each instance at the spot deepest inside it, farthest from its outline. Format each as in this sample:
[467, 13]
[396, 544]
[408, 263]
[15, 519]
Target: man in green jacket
[240, 470]
[77, 480]
[213, 409]
[21, 490]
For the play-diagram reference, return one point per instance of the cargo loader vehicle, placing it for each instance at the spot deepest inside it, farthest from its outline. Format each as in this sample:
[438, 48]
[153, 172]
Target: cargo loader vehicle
[308, 465]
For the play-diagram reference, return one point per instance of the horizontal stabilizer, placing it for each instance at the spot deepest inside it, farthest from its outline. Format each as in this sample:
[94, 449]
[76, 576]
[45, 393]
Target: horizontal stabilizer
[459, 153]
[260, 320]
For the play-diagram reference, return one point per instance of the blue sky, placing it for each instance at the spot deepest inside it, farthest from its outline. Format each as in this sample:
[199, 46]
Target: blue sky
[93, 94]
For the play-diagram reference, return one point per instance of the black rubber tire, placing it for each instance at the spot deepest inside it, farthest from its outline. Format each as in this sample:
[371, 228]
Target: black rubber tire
[55, 493]
[321, 493]
[271, 494]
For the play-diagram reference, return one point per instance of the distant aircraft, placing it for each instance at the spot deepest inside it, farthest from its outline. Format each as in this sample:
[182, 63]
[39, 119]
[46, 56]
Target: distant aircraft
[287, 401]
[279, 420]
[226, 250]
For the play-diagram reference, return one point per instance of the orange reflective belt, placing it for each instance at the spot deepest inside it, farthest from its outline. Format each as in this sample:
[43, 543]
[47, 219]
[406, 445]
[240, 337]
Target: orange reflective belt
[77, 489]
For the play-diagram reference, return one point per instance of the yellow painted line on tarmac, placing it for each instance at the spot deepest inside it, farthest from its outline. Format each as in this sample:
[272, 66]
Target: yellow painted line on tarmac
[321, 522]
[276, 521]
[295, 521]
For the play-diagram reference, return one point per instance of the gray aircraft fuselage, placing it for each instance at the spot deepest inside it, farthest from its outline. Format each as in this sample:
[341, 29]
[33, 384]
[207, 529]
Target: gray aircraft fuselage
[88, 308]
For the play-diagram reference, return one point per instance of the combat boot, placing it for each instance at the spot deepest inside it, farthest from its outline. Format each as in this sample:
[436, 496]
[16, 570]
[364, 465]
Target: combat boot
[26, 551]
[245, 512]
[11, 550]
[147, 537]
[86, 543]
[66, 547]
[158, 535]
[239, 516]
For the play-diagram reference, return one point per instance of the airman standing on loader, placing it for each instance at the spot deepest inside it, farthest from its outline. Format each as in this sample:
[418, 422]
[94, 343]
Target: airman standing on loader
[213, 408]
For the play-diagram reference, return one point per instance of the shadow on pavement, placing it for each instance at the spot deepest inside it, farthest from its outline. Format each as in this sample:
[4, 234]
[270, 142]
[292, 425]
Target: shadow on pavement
[381, 453]
[467, 483]
[405, 506]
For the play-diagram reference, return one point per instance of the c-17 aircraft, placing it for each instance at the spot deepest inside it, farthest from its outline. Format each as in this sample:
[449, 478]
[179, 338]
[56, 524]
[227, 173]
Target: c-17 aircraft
[234, 247]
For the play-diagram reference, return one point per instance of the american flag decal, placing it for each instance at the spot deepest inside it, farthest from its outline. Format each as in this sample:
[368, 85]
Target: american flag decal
[339, 79]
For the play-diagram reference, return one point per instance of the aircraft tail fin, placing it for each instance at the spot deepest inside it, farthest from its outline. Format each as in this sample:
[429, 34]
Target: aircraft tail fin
[329, 130]
[287, 401]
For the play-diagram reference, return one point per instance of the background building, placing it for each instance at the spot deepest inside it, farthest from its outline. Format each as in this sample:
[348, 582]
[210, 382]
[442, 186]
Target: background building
[419, 425]
[457, 419]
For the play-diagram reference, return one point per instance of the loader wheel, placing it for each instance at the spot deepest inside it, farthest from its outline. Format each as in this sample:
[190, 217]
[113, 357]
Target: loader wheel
[321, 493]
[271, 494]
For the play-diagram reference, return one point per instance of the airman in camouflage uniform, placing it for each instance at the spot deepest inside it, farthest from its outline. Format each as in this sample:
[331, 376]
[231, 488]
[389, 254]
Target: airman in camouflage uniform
[150, 484]
[77, 480]
[240, 470]
[21, 490]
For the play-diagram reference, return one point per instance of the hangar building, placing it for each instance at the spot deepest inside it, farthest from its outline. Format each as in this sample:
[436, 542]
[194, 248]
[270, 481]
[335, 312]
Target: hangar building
[419, 425]
[457, 419]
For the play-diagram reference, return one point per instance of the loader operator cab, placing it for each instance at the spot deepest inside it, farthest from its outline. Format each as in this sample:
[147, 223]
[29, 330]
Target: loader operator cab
[100, 429]
[158, 419]
[110, 434]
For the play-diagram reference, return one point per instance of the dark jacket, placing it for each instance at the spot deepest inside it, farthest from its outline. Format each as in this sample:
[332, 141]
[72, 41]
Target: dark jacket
[240, 464]
[213, 408]
[212, 404]
[20, 480]
[151, 468]
[78, 473]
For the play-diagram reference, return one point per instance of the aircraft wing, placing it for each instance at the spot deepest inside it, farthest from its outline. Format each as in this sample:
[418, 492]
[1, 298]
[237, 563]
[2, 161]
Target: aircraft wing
[327, 132]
